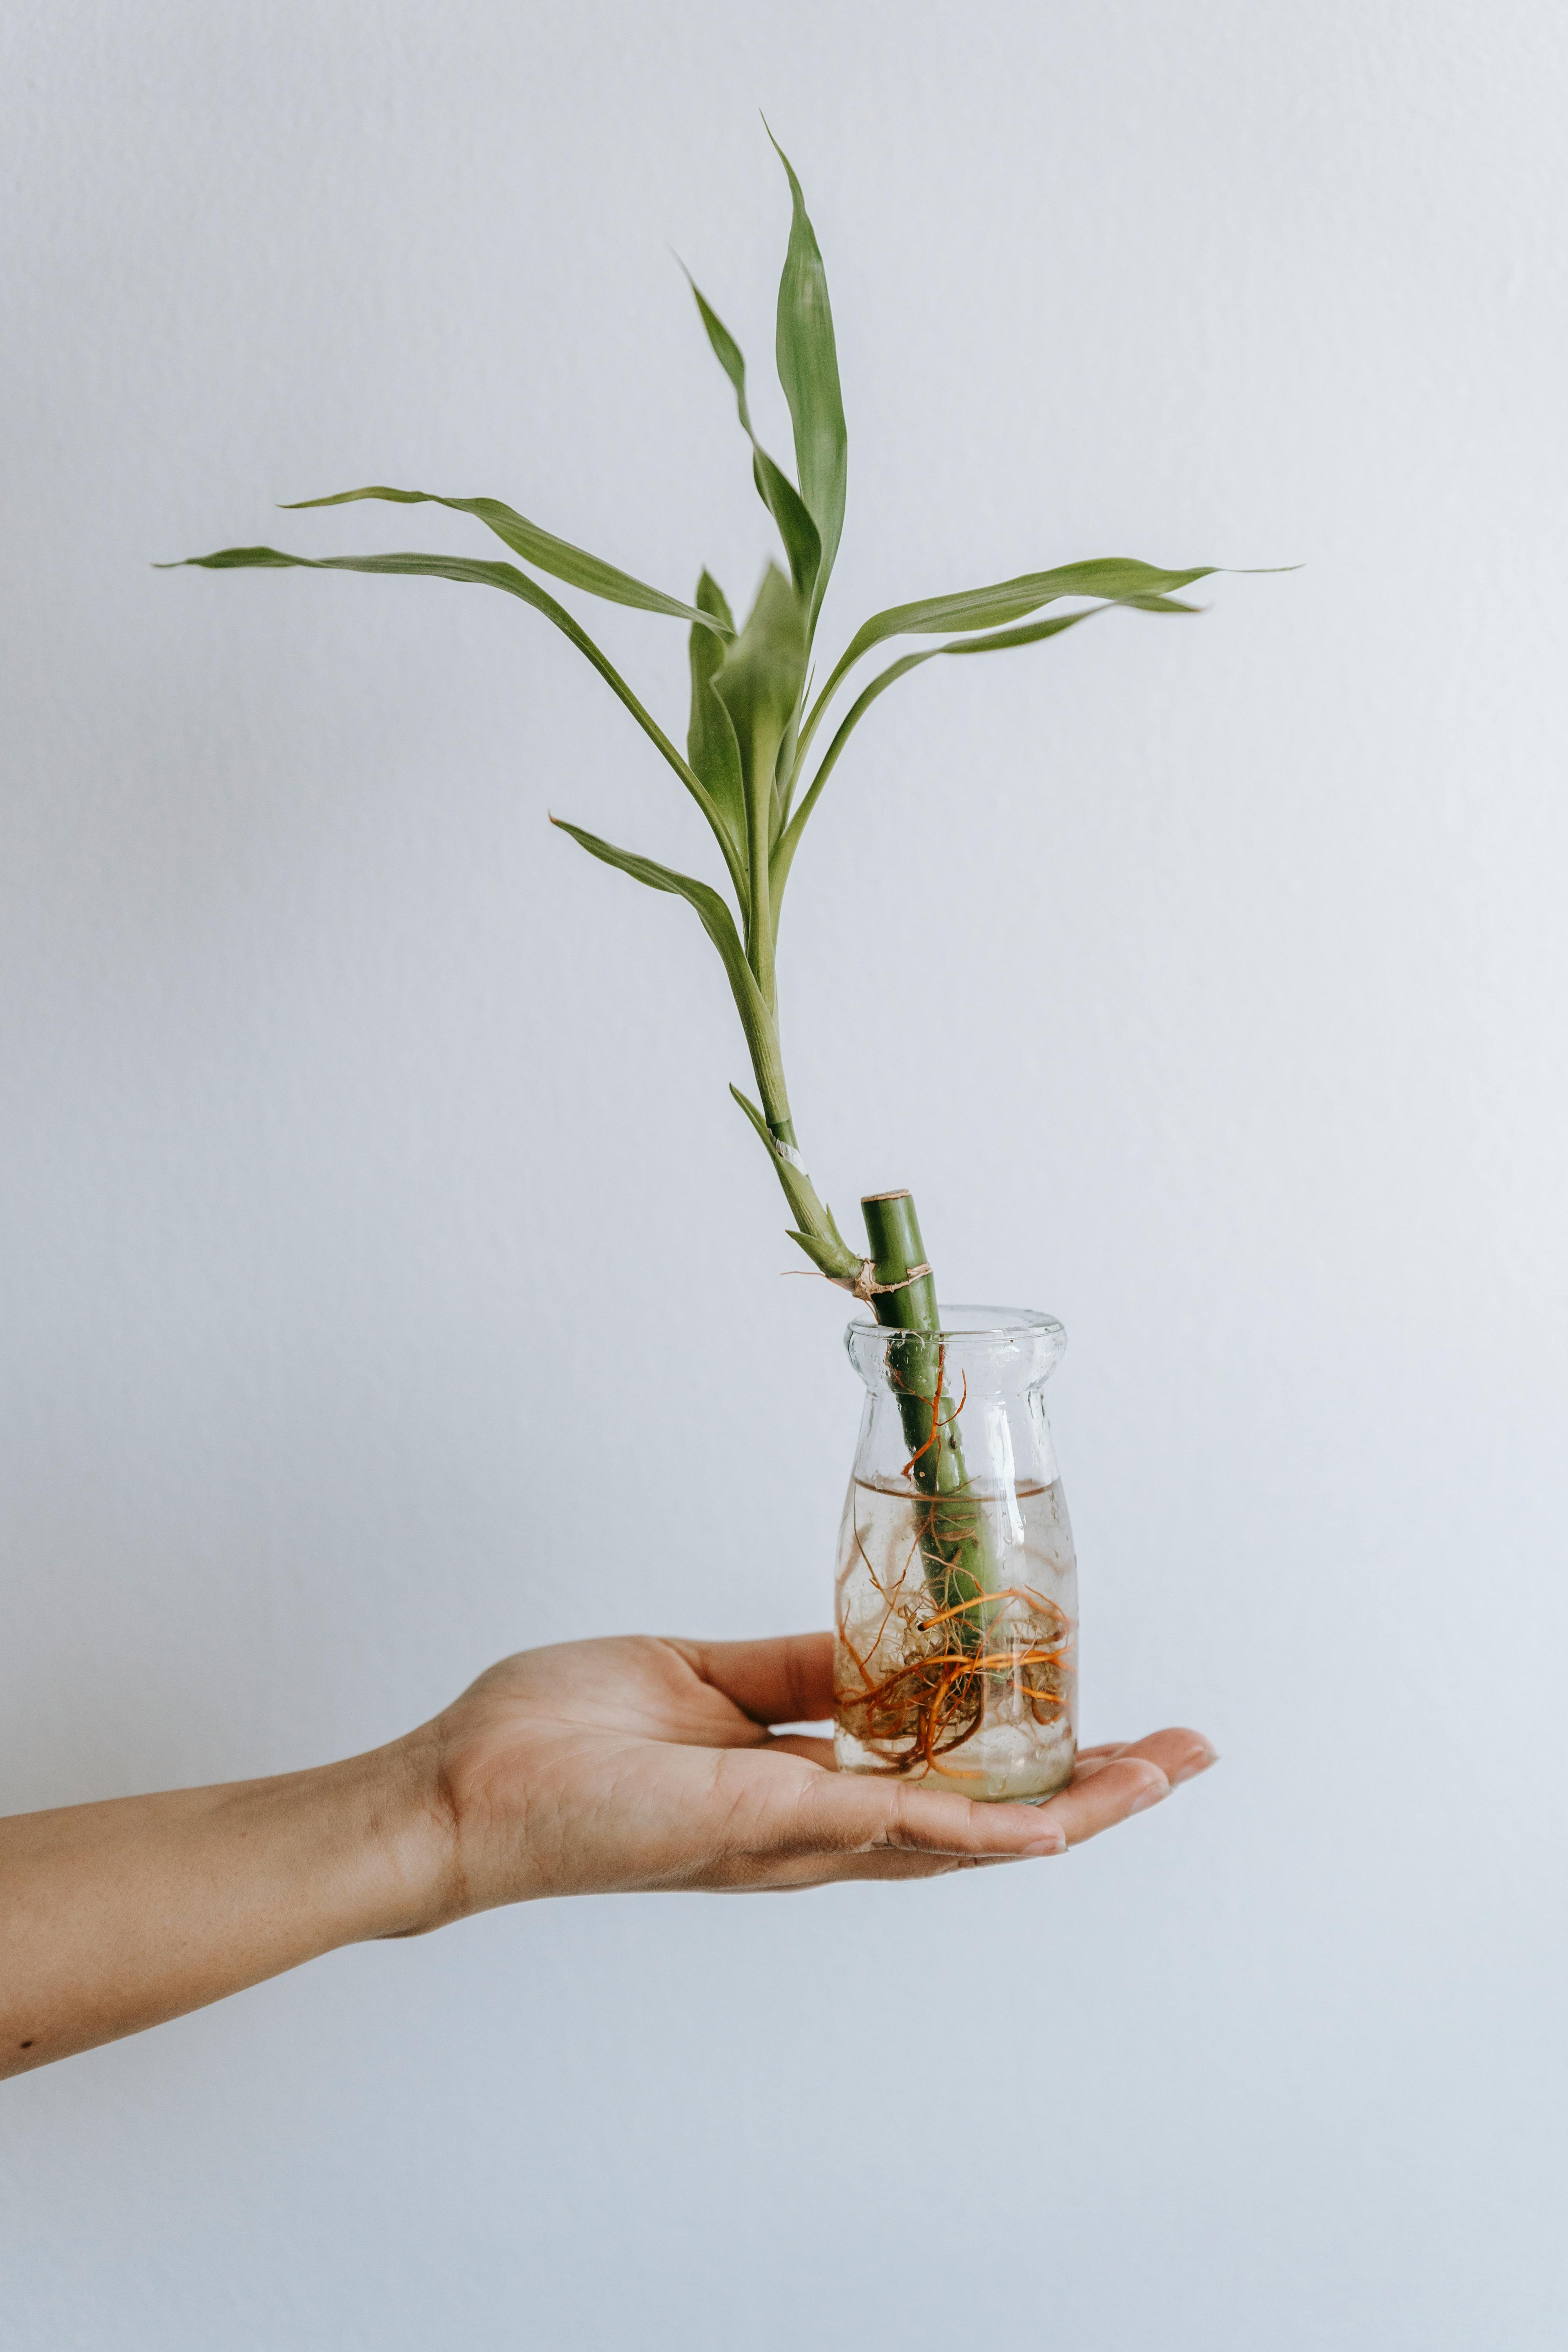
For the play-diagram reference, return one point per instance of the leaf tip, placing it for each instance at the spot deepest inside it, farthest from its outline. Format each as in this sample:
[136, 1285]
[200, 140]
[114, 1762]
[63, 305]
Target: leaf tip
[778, 151]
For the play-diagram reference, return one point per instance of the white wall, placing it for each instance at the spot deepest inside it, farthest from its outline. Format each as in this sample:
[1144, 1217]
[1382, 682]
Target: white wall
[388, 1281]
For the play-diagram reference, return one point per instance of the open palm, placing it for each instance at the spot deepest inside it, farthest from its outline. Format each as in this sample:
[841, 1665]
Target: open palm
[608, 1766]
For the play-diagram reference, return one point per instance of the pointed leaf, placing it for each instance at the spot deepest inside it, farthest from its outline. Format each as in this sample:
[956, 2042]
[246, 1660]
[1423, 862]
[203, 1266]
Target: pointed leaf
[540, 548]
[777, 492]
[755, 1116]
[712, 599]
[808, 370]
[1120, 578]
[515, 583]
[798, 1188]
[712, 913]
[710, 743]
[756, 1020]
[760, 677]
[759, 684]
[1036, 632]
[1114, 577]
[1033, 633]
[833, 1259]
[726, 350]
[821, 1239]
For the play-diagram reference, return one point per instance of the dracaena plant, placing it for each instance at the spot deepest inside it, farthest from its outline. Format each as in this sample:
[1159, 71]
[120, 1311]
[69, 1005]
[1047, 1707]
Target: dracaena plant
[756, 764]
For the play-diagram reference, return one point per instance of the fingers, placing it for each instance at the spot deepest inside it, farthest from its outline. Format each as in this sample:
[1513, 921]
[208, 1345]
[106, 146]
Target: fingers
[1179, 1753]
[1155, 1744]
[801, 1872]
[852, 1828]
[801, 1743]
[848, 1825]
[787, 1680]
[844, 1815]
[1112, 1784]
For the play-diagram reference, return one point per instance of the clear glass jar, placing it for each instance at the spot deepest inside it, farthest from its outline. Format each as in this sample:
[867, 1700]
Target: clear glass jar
[956, 1600]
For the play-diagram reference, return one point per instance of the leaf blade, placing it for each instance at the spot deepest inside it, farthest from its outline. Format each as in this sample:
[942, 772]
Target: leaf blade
[802, 544]
[808, 358]
[814, 1231]
[1003, 641]
[466, 571]
[759, 683]
[541, 548]
[789, 840]
[821, 1239]
[711, 744]
[756, 1019]
[1118, 579]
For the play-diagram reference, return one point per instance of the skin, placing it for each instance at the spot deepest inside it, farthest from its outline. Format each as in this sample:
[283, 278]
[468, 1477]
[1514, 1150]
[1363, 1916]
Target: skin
[593, 1768]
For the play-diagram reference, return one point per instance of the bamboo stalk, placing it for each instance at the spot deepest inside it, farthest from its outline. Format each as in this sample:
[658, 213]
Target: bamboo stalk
[956, 1551]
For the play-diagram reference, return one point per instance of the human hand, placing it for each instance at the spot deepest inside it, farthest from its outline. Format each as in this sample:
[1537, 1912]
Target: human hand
[633, 1763]
[594, 1767]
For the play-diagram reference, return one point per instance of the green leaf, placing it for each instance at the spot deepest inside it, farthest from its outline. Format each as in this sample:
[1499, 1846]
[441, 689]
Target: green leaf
[711, 598]
[514, 583]
[1038, 631]
[758, 1121]
[759, 683]
[760, 677]
[540, 548]
[711, 744]
[1035, 633]
[820, 1239]
[756, 1019]
[714, 916]
[808, 361]
[1114, 577]
[1120, 578]
[777, 492]
[834, 1257]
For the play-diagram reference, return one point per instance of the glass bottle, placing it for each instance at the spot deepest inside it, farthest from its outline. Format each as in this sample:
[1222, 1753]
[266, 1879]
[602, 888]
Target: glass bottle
[956, 1599]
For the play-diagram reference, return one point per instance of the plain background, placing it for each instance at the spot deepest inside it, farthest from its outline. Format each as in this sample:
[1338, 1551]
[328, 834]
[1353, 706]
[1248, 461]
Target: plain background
[388, 1281]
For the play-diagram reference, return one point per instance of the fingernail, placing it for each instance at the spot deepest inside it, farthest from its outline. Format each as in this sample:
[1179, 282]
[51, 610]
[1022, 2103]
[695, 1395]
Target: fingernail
[1147, 1797]
[1191, 1771]
[1043, 1846]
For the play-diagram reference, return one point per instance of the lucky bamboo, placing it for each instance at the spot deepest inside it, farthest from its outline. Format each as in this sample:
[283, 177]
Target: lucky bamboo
[753, 730]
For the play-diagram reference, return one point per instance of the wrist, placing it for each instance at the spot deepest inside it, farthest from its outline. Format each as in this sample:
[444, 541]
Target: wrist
[414, 1830]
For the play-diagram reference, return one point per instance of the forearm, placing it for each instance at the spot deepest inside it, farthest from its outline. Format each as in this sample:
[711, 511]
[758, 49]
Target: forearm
[116, 1917]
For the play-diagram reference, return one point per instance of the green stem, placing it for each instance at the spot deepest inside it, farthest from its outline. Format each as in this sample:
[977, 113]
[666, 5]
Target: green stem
[954, 1548]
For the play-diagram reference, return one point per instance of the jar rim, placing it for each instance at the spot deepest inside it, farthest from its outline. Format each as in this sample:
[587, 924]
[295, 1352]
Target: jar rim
[972, 1322]
[992, 1345]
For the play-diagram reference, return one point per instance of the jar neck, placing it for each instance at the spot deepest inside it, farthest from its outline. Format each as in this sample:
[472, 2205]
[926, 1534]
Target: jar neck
[958, 1410]
[990, 1352]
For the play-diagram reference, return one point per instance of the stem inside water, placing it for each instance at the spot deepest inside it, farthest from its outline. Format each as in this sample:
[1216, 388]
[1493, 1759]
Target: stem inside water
[957, 1556]
[918, 1682]
[960, 1564]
